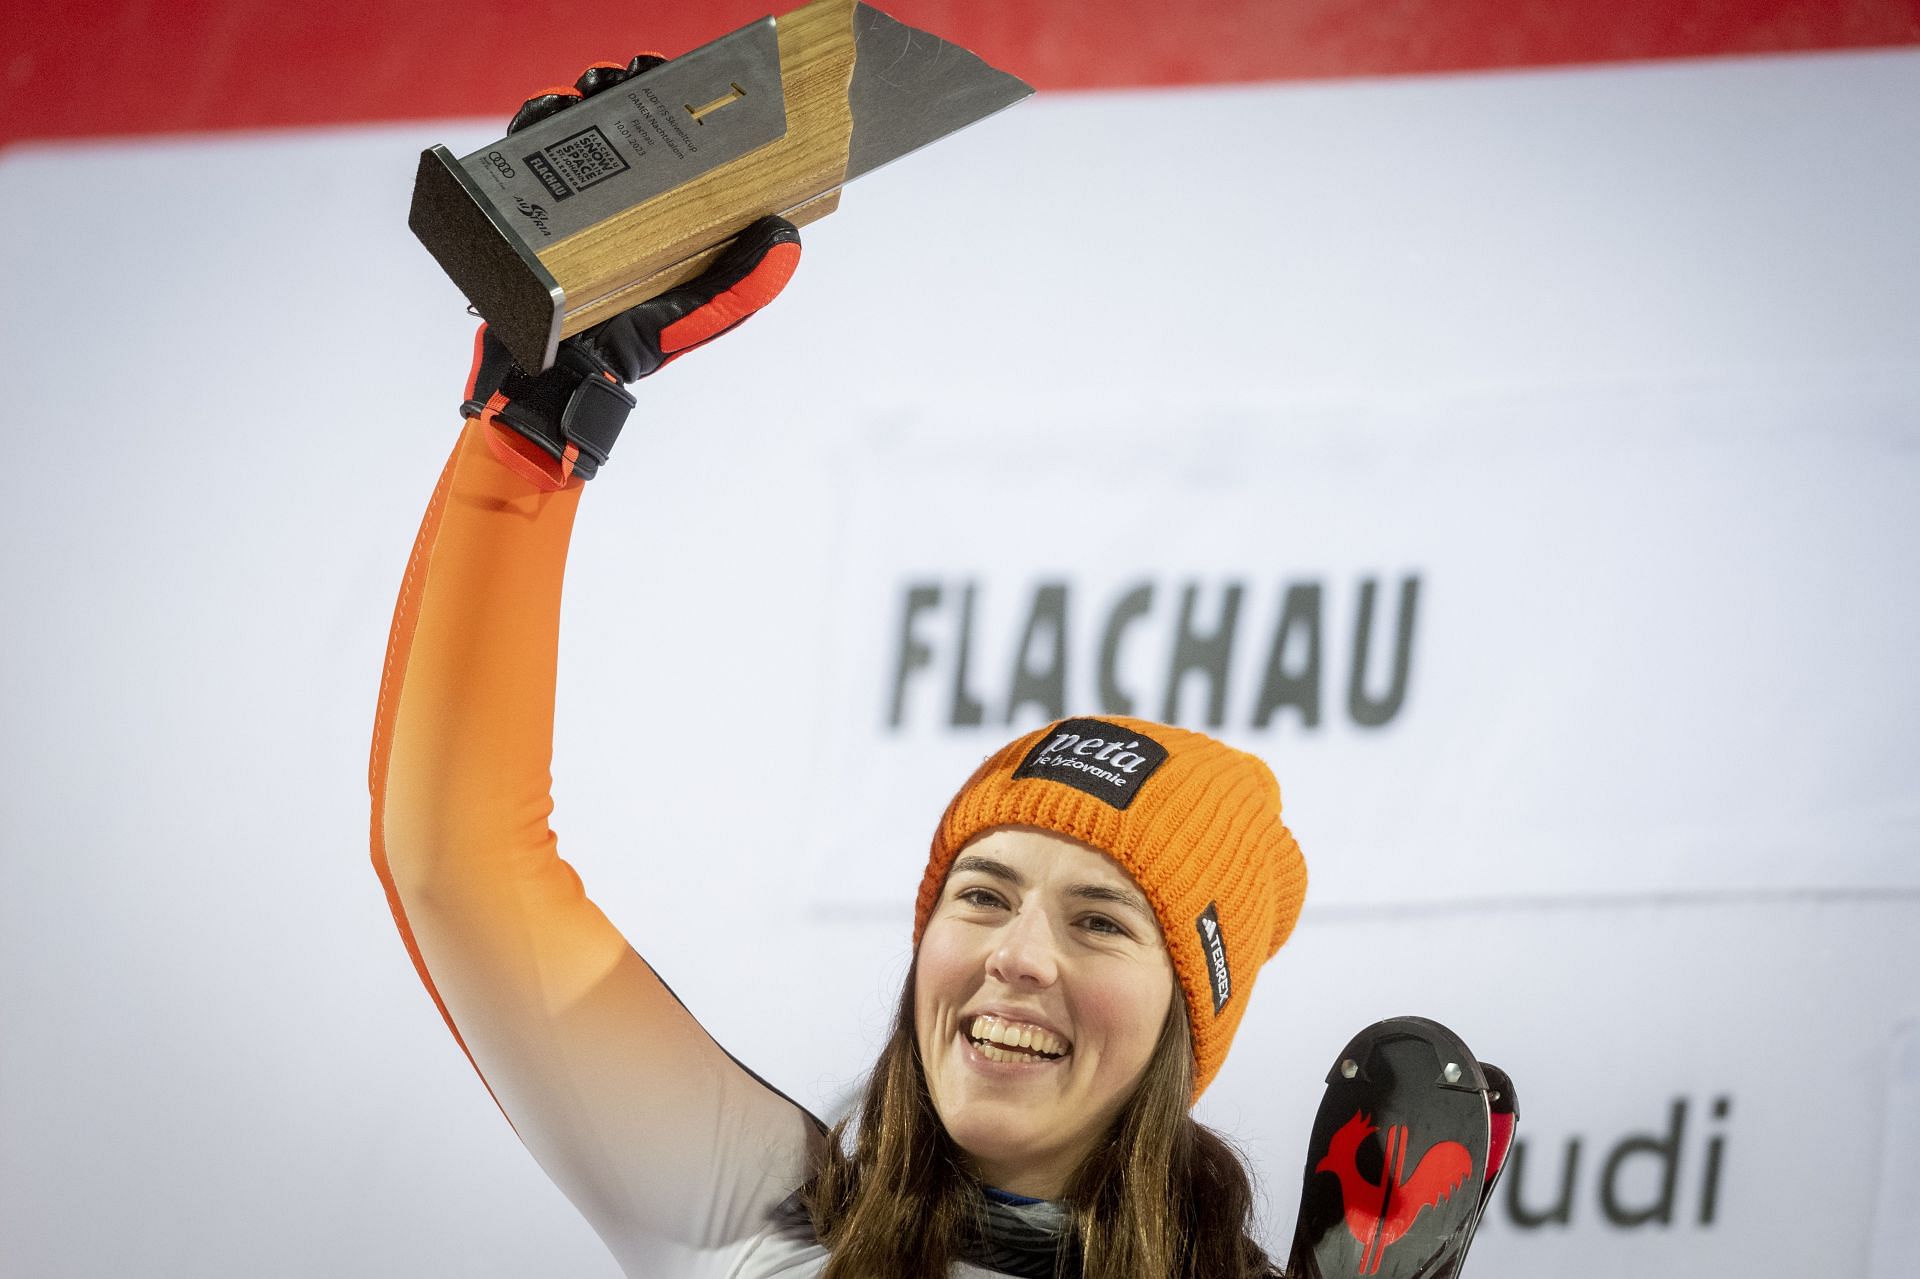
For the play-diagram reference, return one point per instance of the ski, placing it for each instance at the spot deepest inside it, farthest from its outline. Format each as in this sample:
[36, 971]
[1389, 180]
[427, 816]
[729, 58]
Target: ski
[1409, 1138]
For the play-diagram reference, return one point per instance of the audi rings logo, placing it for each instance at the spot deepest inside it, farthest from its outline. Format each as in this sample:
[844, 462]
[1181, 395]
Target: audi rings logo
[499, 162]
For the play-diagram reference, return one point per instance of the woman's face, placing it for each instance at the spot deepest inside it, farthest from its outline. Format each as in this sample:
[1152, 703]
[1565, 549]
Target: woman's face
[1040, 988]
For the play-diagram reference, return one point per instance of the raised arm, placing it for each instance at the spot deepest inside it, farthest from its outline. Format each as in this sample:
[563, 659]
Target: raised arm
[674, 1152]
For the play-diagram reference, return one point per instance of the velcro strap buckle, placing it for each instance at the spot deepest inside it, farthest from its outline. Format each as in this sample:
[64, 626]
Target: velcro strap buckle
[595, 412]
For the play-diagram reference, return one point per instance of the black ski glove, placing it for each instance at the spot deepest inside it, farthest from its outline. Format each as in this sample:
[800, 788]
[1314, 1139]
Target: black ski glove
[567, 418]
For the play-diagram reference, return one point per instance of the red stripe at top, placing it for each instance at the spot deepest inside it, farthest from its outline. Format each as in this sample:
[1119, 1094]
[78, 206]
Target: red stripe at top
[90, 69]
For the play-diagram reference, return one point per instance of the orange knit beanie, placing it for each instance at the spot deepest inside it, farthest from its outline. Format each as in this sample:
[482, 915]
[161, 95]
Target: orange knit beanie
[1194, 821]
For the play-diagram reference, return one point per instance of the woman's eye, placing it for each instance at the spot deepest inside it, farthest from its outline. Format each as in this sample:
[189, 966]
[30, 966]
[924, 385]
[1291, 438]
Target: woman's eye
[984, 898]
[1102, 925]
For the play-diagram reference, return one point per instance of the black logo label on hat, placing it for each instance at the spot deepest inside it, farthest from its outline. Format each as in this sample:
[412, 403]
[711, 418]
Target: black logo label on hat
[1214, 943]
[1102, 759]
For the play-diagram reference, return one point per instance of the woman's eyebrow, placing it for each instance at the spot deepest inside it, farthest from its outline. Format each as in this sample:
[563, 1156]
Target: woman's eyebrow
[988, 866]
[1108, 893]
[1083, 892]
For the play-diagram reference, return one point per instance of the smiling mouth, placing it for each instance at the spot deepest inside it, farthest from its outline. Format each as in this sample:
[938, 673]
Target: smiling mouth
[998, 1039]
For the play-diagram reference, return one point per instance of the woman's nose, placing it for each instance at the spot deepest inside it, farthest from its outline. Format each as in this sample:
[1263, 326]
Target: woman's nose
[1025, 954]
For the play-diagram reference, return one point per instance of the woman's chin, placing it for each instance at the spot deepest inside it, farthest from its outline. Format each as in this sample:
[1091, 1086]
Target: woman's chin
[1017, 1170]
[1006, 1143]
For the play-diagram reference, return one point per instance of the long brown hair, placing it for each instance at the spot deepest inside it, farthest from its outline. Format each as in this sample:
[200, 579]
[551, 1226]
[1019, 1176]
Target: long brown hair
[1162, 1197]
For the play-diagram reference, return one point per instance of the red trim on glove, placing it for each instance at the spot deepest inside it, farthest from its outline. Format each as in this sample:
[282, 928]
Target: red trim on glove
[755, 289]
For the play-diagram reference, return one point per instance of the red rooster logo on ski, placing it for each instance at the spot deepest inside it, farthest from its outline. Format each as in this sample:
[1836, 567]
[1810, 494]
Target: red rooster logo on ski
[1379, 1215]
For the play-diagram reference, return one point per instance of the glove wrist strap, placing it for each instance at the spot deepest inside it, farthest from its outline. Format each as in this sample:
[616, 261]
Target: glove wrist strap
[592, 419]
[576, 427]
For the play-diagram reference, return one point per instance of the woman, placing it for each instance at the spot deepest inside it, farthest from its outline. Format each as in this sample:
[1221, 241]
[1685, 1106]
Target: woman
[1098, 899]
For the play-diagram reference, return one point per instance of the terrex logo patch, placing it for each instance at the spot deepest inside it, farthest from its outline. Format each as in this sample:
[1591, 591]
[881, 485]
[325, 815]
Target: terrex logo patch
[1214, 944]
[1091, 755]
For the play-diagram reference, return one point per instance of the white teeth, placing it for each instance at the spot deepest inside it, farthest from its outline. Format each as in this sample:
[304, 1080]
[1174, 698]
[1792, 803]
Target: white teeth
[1014, 1041]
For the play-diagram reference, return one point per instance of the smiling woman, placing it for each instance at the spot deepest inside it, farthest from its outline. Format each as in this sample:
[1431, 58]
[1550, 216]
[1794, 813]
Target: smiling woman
[1072, 993]
[1097, 901]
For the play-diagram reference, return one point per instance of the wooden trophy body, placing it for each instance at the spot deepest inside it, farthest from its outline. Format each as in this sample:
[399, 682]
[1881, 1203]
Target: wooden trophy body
[604, 205]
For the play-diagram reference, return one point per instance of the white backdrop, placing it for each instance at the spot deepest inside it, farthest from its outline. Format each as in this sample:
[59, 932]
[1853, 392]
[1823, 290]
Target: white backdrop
[1619, 366]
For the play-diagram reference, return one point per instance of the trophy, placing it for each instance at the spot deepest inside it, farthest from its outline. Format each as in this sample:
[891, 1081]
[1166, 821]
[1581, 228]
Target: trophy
[596, 209]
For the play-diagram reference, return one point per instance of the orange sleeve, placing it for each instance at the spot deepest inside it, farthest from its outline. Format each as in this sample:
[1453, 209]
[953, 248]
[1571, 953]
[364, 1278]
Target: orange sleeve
[674, 1152]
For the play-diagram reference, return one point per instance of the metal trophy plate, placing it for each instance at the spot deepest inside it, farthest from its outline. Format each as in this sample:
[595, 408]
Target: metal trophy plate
[606, 204]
